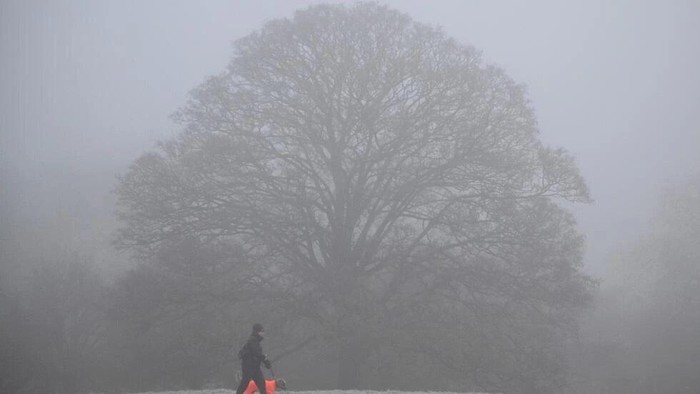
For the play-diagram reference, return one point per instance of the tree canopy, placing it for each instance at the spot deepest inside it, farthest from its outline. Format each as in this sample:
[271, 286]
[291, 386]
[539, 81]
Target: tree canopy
[378, 179]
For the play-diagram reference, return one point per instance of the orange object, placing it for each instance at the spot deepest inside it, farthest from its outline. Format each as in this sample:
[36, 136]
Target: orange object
[270, 387]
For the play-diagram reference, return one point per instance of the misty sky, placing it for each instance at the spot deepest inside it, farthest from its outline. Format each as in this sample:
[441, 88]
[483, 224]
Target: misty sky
[87, 86]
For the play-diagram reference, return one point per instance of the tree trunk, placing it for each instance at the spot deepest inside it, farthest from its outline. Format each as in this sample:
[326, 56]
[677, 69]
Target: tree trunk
[351, 358]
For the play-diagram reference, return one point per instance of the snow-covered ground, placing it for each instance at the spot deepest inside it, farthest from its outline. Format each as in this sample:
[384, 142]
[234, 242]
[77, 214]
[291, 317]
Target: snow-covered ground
[222, 391]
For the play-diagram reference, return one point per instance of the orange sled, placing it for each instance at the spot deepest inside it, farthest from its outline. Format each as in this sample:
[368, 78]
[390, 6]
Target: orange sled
[270, 386]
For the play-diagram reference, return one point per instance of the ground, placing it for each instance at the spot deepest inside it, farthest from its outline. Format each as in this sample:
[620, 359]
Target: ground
[222, 391]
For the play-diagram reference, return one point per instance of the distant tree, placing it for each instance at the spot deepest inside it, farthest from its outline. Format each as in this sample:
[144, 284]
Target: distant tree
[14, 357]
[55, 326]
[385, 183]
[653, 297]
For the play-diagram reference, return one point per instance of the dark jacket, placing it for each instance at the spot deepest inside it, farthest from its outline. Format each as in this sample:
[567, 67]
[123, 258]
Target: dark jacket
[251, 353]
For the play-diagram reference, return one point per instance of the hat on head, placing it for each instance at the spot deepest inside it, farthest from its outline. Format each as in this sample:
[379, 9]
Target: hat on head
[257, 327]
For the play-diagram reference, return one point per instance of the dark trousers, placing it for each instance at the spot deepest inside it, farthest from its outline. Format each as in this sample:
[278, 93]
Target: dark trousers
[254, 374]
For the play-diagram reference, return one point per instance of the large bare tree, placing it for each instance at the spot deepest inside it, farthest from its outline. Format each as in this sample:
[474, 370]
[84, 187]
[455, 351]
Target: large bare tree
[375, 170]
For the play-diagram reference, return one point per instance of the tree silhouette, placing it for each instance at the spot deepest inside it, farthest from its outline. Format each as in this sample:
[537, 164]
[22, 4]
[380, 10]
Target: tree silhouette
[377, 172]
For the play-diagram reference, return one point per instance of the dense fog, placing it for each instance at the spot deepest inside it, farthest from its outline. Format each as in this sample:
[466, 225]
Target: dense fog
[459, 196]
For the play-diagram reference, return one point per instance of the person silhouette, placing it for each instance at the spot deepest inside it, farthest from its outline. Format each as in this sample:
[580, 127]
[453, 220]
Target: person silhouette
[251, 356]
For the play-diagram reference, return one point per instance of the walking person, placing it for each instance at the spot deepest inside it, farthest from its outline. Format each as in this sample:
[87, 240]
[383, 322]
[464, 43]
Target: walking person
[252, 356]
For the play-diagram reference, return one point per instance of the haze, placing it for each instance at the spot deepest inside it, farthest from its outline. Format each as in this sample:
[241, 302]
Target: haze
[86, 87]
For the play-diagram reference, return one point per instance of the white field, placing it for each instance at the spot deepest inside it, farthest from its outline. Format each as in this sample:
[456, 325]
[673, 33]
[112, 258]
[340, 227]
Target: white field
[223, 391]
